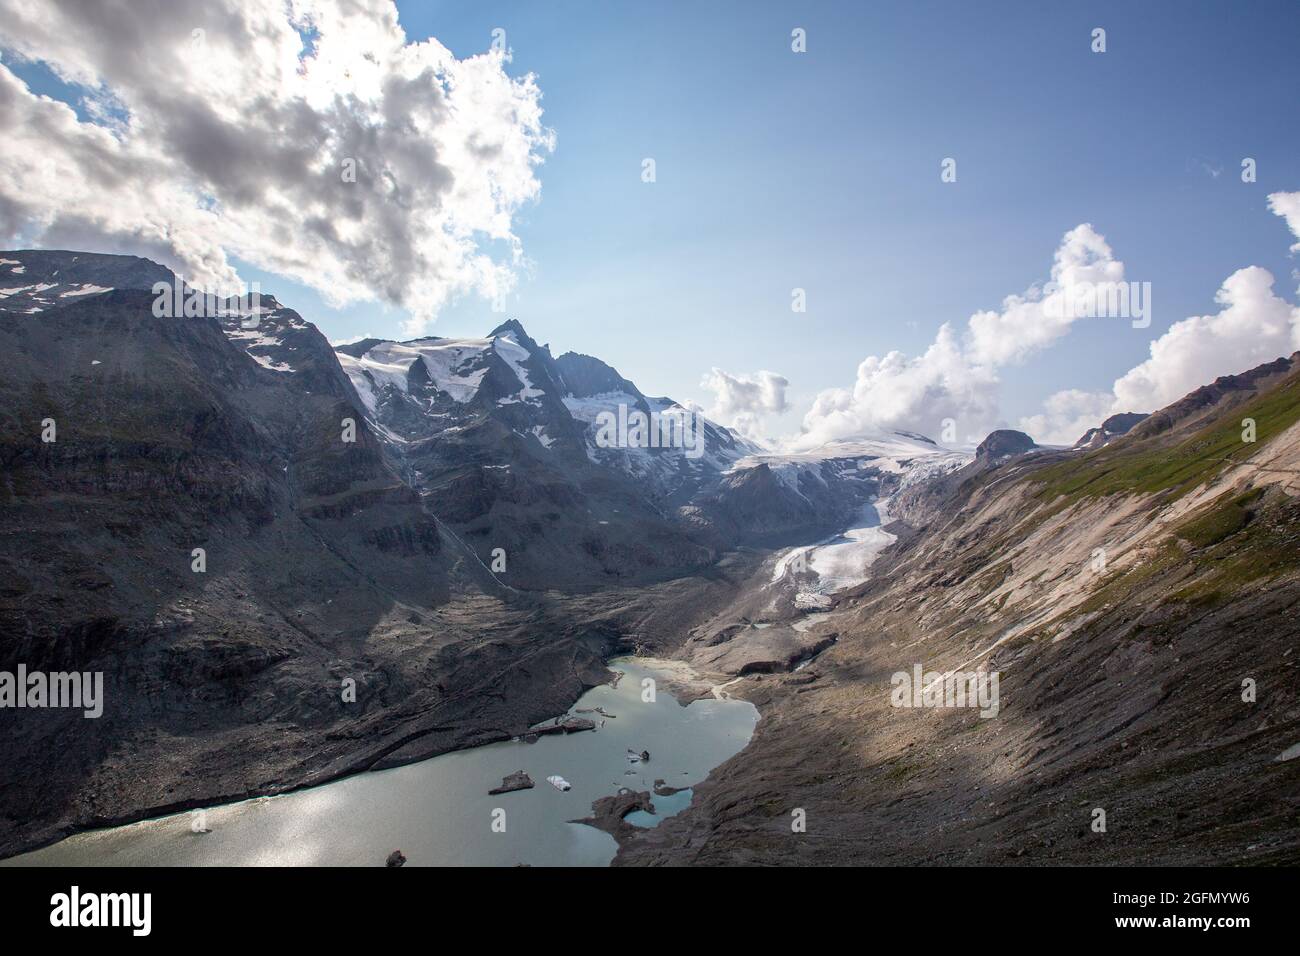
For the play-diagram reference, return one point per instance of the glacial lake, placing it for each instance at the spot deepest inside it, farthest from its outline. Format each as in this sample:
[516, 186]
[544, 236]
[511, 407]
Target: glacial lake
[438, 811]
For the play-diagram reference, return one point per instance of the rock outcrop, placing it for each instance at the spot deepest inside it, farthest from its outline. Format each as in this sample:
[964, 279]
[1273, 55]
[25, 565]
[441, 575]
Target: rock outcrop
[1109, 430]
[1003, 443]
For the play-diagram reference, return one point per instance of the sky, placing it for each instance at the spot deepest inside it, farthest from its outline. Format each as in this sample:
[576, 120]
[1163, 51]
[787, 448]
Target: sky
[520, 180]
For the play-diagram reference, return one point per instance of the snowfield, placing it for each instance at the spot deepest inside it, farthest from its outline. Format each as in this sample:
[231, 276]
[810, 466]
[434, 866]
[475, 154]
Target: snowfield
[388, 364]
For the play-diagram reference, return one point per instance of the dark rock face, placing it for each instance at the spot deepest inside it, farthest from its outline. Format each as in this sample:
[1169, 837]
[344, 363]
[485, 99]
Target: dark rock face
[757, 502]
[756, 506]
[1002, 444]
[1111, 428]
[169, 438]
[585, 376]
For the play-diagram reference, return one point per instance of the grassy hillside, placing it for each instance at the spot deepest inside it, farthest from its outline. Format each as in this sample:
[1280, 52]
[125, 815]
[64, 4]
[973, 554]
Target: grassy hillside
[1176, 466]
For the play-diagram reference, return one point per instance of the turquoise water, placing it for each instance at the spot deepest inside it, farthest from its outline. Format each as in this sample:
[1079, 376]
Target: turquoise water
[665, 807]
[438, 811]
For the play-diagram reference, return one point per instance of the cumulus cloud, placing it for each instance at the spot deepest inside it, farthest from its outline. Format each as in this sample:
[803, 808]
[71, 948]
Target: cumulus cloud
[1253, 326]
[743, 401]
[214, 130]
[957, 377]
[1287, 205]
[915, 394]
[1028, 323]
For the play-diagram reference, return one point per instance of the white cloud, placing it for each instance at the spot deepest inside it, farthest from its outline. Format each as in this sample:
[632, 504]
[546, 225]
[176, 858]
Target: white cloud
[915, 394]
[957, 376]
[1031, 322]
[743, 401]
[1254, 326]
[1287, 205]
[222, 129]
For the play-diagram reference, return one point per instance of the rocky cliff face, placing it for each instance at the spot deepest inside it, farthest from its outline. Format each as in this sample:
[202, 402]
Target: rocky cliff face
[1139, 603]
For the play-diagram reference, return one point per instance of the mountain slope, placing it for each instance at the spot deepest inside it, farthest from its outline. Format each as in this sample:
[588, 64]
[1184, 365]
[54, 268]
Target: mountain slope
[33, 280]
[1129, 598]
[481, 429]
[322, 567]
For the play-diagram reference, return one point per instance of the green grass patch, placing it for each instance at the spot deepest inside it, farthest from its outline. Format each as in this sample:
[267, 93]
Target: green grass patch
[1117, 586]
[1222, 520]
[1267, 547]
[1178, 468]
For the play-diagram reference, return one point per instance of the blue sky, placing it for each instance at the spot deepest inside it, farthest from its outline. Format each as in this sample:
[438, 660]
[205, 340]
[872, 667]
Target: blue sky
[820, 170]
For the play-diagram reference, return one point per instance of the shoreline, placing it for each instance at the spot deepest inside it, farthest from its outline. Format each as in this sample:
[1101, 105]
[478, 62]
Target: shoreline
[685, 682]
[594, 814]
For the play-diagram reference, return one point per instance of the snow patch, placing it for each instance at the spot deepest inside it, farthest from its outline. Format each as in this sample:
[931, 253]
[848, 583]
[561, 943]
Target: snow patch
[86, 289]
[388, 365]
[15, 290]
[515, 355]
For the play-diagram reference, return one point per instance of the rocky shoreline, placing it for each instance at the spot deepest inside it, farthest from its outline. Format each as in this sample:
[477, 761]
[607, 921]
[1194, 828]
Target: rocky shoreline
[245, 761]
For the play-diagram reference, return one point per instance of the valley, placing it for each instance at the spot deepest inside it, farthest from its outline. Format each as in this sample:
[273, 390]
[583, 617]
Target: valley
[467, 566]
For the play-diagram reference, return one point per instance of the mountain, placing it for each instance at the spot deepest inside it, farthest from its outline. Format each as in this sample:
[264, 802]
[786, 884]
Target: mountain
[283, 556]
[34, 280]
[768, 497]
[506, 444]
[1004, 443]
[1111, 428]
[1139, 604]
[672, 474]
[484, 429]
[321, 565]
